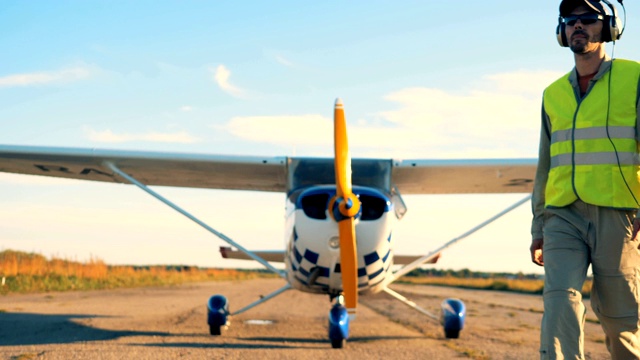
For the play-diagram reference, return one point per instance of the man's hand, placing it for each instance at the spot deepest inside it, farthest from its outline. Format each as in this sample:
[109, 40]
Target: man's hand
[636, 227]
[536, 250]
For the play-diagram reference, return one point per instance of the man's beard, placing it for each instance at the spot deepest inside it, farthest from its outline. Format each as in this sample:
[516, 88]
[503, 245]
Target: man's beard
[580, 47]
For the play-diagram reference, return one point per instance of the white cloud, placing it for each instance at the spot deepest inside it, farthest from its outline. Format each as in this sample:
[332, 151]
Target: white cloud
[221, 77]
[186, 108]
[499, 117]
[45, 77]
[108, 136]
[287, 129]
[283, 61]
[527, 83]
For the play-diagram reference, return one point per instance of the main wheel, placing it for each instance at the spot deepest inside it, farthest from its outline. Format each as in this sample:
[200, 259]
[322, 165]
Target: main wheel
[452, 334]
[338, 343]
[215, 330]
[452, 318]
[217, 314]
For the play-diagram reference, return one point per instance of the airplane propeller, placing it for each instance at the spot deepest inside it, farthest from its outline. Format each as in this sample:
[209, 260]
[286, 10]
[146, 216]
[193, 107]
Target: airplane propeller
[345, 208]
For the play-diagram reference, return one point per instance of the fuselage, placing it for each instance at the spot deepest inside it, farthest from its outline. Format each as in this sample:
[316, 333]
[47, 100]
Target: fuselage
[313, 250]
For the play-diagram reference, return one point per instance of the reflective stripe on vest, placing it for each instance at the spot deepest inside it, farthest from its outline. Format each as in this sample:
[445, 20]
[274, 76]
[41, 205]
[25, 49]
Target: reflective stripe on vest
[594, 152]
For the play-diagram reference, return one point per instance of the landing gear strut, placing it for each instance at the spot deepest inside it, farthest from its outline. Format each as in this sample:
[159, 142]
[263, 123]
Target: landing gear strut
[218, 315]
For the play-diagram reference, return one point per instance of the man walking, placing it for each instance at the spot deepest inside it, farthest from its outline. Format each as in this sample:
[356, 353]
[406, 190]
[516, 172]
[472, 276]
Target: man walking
[587, 189]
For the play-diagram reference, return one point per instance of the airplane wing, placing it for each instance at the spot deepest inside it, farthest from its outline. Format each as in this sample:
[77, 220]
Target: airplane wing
[228, 252]
[269, 255]
[420, 176]
[408, 259]
[150, 168]
[464, 176]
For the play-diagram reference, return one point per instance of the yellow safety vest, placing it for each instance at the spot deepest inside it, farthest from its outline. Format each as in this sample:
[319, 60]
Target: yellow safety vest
[594, 152]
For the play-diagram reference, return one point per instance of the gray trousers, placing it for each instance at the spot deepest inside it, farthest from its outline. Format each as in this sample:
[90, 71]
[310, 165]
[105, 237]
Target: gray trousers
[575, 237]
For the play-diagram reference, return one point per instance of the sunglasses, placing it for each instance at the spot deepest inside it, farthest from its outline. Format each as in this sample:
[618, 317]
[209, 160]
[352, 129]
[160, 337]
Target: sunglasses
[585, 19]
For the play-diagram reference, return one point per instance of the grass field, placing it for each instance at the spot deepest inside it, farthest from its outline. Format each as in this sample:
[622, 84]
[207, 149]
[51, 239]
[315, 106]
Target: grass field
[22, 272]
[527, 286]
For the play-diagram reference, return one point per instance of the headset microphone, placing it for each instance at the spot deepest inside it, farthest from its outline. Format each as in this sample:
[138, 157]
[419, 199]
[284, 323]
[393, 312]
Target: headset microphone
[611, 30]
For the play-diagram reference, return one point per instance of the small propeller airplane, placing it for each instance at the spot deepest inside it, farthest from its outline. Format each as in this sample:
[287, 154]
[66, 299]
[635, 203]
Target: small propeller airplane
[340, 212]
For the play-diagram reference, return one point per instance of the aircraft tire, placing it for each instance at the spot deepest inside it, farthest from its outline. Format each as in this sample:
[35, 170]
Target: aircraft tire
[452, 334]
[215, 330]
[217, 314]
[338, 343]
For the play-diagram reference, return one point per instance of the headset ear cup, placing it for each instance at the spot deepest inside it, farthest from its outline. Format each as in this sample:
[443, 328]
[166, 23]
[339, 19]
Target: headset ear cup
[611, 30]
[561, 35]
[614, 28]
[608, 26]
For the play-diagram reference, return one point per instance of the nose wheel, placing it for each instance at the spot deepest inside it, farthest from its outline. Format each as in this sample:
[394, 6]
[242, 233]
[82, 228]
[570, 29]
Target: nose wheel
[338, 324]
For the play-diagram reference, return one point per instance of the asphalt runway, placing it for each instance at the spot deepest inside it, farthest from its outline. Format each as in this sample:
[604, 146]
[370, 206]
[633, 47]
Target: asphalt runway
[170, 323]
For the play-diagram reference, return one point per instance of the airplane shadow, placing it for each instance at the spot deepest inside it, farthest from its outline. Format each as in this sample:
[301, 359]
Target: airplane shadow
[283, 342]
[218, 346]
[39, 329]
[247, 343]
[324, 341]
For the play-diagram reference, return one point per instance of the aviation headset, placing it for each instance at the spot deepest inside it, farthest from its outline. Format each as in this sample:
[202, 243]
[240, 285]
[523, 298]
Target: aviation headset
[611, 30]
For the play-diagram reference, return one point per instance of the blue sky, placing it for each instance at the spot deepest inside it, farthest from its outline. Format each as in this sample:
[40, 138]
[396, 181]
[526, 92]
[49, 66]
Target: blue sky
[419, 79]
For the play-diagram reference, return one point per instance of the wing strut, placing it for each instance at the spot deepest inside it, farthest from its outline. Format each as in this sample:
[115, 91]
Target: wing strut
[263, 299]
[222, 236]
[410, 303]
[412, 266]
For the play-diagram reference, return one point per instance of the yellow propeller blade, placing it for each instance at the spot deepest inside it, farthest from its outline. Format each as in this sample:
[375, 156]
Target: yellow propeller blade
[348, 208]
[349, 264]
[341, 146]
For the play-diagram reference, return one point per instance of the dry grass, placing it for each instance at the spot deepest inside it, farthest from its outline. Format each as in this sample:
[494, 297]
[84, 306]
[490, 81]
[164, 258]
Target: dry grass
[528, 286]
[28, 272]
